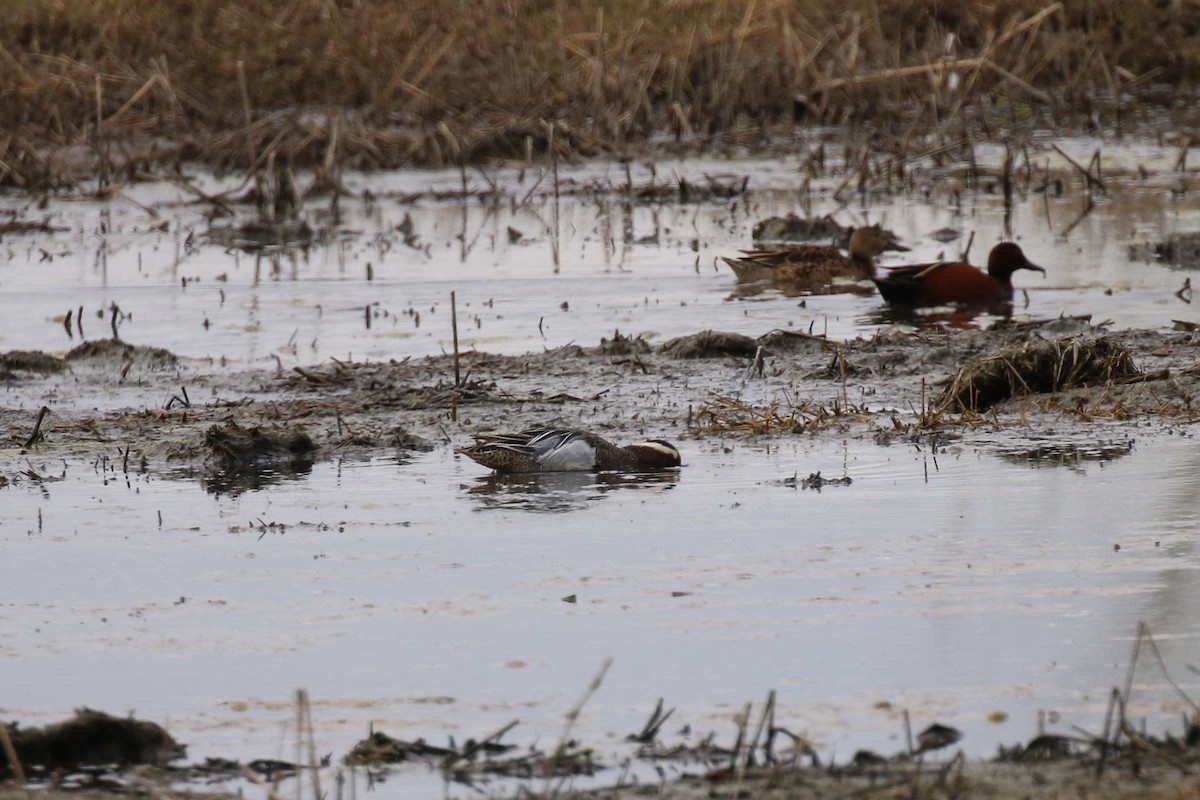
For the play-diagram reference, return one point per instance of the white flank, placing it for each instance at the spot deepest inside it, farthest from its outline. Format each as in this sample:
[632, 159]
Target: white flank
[571, 455]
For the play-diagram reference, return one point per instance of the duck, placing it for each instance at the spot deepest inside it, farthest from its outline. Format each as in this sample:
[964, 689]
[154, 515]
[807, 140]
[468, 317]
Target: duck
[813, 264]
[956, 282]
[566, 450]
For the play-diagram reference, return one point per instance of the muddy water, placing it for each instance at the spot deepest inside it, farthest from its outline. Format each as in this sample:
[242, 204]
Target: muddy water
[965, 586]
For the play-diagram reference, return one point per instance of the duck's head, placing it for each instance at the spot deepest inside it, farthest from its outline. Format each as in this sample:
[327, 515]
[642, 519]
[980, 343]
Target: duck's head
[869, 241]
[1006, 258]
[655, 454]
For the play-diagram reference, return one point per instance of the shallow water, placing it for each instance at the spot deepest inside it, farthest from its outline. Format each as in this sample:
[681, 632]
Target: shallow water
[640, 268]
[427, 599]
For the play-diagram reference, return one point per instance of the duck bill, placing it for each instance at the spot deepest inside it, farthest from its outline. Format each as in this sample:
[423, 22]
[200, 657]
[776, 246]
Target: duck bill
[1032, 266]
[894, 244]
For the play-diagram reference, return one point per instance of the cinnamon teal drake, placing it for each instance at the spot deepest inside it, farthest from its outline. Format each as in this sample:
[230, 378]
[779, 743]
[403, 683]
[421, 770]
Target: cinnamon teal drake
[814, 266]
[956, 282]
[559, 450]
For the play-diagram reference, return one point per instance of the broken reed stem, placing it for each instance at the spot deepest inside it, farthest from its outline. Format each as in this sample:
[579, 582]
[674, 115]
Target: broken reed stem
[571, 717]
[1092, 180]
[908, 729]
[37, 433]
[314, 765]
[10, 752]
[471, 748]
[841, 359]
[250, 154]
[102, 182]
[454, 331]
[768, 714]
[554, 167]
[300, 698]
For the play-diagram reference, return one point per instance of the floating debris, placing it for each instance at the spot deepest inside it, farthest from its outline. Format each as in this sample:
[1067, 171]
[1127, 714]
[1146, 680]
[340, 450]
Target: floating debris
[937, 736]
[256, 236]
[1180, 250]
[791, 228]
[379, 748]
[815, 481]
[714, 187]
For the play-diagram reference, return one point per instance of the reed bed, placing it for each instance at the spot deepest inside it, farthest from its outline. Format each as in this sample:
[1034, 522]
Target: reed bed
[428, 82]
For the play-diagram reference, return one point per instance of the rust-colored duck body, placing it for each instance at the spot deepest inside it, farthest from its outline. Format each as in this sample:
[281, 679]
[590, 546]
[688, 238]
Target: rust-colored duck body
[812, 265]
[561, 450]
[956, 282]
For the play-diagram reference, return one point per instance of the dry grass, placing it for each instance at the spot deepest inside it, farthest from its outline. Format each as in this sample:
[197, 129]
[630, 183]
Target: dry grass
[724, 414]
[435, 82]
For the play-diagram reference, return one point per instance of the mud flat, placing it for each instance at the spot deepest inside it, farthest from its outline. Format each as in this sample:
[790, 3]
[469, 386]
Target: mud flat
[896, 384]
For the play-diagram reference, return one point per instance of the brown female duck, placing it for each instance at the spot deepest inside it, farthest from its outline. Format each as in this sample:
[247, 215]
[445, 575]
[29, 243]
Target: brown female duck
[811, 265]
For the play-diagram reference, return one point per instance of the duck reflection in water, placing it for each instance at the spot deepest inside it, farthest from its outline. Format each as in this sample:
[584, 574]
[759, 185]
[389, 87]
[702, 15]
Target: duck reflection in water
[559, 492]
[955, 317]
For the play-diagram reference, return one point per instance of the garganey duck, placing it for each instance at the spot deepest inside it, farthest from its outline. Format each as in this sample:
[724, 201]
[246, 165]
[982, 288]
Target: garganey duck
[558, 450]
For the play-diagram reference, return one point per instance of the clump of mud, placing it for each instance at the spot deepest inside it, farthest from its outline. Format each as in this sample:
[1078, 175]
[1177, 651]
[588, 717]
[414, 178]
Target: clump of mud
[90, 739]
[710, 344]
[115, 351]
[35, 361]
[245, 459]
[1037, 367]
[235, 447]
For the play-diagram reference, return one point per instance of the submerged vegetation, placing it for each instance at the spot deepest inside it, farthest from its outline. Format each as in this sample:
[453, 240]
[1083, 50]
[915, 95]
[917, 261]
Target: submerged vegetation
[434, 83]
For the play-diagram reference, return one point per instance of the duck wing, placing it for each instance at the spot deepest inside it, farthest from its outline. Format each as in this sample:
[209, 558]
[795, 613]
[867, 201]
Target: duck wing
[904, 284]
[799, 254]
[784, 263]
[553, 449]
